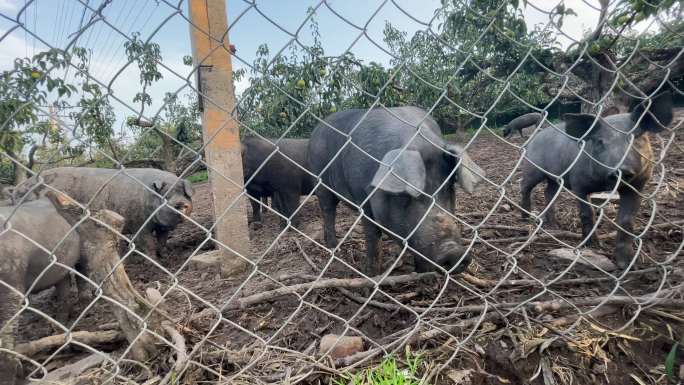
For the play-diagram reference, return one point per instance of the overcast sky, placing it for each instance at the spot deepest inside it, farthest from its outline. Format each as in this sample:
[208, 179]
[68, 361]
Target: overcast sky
[54, 22]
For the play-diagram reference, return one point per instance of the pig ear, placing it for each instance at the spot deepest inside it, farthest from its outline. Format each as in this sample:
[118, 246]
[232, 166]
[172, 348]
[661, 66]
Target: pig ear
[406, 164]
[578, 124]
[187, 187]
[158, 185]
[656, 116]
[469, 173]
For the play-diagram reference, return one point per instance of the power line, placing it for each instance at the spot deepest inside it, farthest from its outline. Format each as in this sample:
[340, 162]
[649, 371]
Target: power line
[67, 27]
[25, 32]
[109, 35]
[58, 23]
[114, 48]
[124, 58]
[35, 26]
[99, 28]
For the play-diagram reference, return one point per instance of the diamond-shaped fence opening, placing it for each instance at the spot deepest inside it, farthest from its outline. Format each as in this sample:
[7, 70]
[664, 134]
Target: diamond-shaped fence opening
[344, 192]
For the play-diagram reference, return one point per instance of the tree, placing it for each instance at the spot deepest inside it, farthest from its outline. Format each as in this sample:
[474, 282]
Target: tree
[165, 142]
[614, 63]
[30, 88]
[481, 52]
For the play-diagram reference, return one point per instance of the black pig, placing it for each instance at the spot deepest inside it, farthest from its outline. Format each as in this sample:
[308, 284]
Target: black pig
[36, 233]
[280, 178]
[136, 194]
[419, 156]
[608, 140]
[522, 121]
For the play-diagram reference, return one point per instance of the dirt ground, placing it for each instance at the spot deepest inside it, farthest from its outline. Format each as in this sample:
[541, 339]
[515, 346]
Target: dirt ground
[512, 346]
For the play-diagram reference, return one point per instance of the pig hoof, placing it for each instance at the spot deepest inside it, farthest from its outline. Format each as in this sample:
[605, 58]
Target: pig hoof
[256, 225]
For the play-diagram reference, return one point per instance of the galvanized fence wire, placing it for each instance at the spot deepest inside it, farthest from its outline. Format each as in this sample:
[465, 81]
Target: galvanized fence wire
[437, 318]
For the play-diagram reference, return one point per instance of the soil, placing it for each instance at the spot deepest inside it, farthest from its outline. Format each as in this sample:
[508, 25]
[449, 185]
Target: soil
[632, 341]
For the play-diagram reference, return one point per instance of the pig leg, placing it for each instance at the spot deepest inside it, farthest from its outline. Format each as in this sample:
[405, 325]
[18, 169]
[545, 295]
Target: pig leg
[328, 203]
[288, 204]
[531, 178]
[630, 201]
[66, 304]
[256, 210]
[162, 236]
[145, 243]
[84, 288]
[373, 248]
[587, 219]
[9, 364]
[550, 192]
[264, 204]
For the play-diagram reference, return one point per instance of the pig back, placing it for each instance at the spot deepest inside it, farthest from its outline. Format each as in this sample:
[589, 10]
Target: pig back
[34, 225]
[297, 150]
[379, 131]
[552, 150]
[106, 189]
[278, 173]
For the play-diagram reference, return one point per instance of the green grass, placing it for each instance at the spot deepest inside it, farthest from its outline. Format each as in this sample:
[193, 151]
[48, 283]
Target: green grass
[387, 372]
[200, 176]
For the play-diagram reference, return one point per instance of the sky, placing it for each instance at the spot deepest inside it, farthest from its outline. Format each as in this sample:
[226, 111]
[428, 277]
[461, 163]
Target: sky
[55, 22]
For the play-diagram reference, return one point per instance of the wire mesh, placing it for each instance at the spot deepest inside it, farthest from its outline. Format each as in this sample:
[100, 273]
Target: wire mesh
[436, 250]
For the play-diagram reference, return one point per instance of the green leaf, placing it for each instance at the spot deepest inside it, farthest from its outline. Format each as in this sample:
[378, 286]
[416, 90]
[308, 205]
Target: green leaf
[670, 362]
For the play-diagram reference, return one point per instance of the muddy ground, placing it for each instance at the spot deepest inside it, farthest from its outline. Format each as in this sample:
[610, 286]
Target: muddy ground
[509, 346]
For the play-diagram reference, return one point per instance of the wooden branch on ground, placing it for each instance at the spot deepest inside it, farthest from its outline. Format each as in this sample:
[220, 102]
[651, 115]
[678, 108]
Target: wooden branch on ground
[266, 296]
[69, 374]
[327, 283]
[550, 234]
[417, 339]
[566, 320]
[488, 283]
[650, 299]
[181, 352]
[52, 342]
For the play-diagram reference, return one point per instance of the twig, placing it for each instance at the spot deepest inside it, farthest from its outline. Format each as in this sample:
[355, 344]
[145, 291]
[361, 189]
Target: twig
[416, 340]
[562, 321]
[487, 283]
[649, 299]
[306, 256]
[360, 299]
[569, 234]
[84, 337]
[327, 283]
[504, 227]
[181, 351]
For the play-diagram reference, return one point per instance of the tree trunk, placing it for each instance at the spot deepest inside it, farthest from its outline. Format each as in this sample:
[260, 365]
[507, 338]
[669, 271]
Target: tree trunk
[599, 82]
[168, 146]
[17, 170]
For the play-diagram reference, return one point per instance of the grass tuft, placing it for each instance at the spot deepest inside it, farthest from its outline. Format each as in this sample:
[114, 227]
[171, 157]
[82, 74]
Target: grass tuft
[198, 177]
[387, 372]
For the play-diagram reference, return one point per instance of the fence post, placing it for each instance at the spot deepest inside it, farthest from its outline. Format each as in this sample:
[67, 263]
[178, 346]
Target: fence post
[211, 57]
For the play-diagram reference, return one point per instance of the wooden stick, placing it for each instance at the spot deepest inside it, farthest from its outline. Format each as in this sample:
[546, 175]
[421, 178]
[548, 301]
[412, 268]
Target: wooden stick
[181, 352]
[488, 283]
[55, 341]
[661, 299]
[327, 283]
[568, 234]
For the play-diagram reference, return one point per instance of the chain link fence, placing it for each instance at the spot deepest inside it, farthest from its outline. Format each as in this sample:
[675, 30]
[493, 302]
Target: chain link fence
[441, 264]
